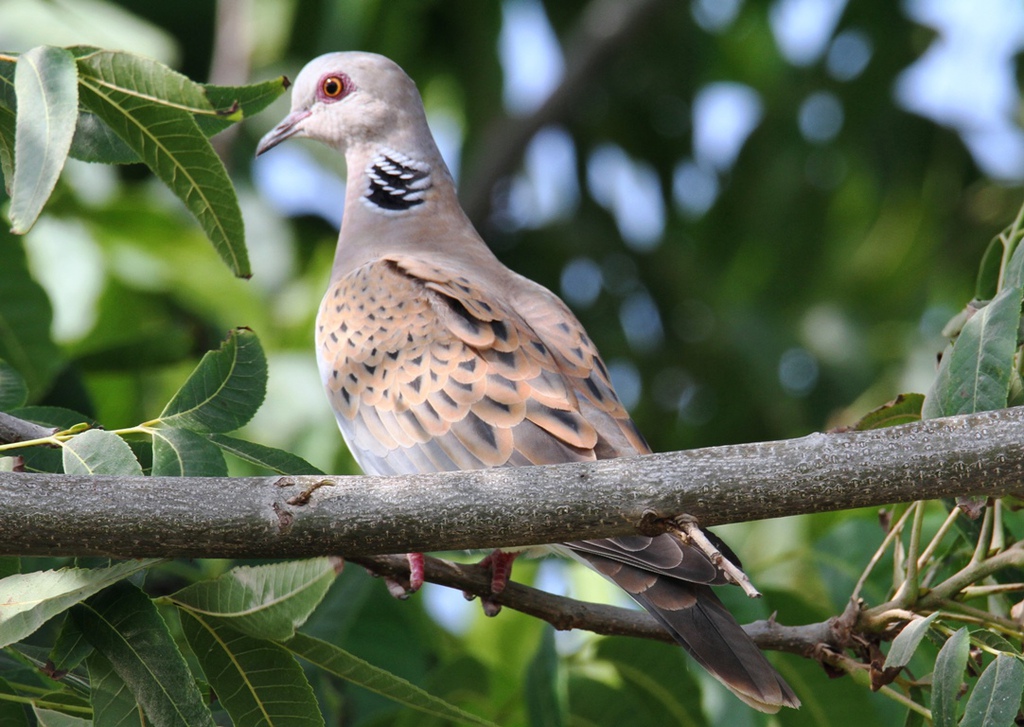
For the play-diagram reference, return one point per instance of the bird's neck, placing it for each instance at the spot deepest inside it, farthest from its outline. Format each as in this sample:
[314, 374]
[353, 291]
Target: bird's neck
[400, 199]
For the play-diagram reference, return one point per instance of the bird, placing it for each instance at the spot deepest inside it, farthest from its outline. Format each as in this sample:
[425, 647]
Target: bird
[437, 357]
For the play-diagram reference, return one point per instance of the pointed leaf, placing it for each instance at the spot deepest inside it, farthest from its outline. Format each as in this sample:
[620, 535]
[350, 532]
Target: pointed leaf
[353, 669]
[904, 409]
[277, 460]
[995, 641]
[183, 453]
[987, 283]
[225, 390]
[28, 600]
[46, 81]
[265, 601]
[123, 625]
[907, 641]
[112, 701]
[258, 682]
[50, 718]
[248, 100]
[25, 319]
[151, 108]
[96, 452]
[976, 375]
[13, 390]
[1013, 277]
[997, 695]
[70, 649]
[948, 676]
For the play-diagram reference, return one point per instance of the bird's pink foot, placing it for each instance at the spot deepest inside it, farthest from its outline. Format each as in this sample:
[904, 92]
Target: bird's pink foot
[500, 564]
[415, 571]
[400, 589]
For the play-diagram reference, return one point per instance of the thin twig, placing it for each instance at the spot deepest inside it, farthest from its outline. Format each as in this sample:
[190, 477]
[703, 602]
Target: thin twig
[14, 430]
[981, 548]
[690, 532]
[933, 545]
[907, 592]
[567, 613]
[893, 533]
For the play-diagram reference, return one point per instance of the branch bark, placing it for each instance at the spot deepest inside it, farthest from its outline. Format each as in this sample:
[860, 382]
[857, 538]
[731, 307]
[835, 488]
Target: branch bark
[275, 517]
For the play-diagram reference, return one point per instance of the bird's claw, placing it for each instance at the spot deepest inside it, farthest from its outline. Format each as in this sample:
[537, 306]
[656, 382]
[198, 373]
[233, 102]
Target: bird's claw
[500, 565]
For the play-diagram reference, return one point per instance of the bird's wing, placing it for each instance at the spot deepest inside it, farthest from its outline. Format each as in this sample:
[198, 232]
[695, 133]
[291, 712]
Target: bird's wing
[429, 371]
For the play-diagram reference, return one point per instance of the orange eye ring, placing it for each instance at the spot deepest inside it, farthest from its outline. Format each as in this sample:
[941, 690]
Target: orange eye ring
[333, 87]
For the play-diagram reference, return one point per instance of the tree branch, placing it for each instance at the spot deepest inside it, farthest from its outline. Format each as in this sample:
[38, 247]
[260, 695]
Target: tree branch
[13, 429]
[567, 613]
[274, 517]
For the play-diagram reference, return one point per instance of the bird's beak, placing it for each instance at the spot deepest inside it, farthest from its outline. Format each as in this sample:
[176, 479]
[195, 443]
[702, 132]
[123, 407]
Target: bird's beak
[289, 127]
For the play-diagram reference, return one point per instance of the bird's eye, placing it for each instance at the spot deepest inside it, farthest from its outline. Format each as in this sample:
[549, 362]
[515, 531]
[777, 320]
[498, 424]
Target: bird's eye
[333, 87]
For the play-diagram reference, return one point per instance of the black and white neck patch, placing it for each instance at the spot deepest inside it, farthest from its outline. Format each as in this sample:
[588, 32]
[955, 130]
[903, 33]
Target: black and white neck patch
[396, 182]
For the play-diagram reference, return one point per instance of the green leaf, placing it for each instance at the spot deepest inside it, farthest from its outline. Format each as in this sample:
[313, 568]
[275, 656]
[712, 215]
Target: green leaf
[25, 319]
[183, 453]
[276, 460]
[46, 82]
[123, 625]
[13, 390]
[225, 389]
[265, 601]
[997, 695]
[976, 375]
[907, 641]
[1013, 277]
[28, 600]
[96, 452]
[259, 683]
[112, 701]
[995, 641]
[96, 142]
[50, 718]
[339, 662]
[151, 108]
[249, 100]
[12, 714]
[915, 718]
[70, 649]
[545, 695]
[948, 676]
[9, 565]
[904, 409]
[8, 122]
[987, 283]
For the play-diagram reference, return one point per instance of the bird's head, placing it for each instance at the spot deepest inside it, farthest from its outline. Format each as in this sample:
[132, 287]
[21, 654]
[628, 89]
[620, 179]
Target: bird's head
[345, 99]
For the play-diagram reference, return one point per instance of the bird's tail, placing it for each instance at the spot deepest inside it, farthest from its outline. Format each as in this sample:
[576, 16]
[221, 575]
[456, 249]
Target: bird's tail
[695, 617]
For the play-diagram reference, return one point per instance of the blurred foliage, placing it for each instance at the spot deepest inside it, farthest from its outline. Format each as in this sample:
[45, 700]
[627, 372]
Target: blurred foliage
[852, 253]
